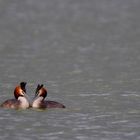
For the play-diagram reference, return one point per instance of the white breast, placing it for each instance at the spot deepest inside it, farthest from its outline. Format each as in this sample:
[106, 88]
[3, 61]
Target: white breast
[36, 102]
[24, 103]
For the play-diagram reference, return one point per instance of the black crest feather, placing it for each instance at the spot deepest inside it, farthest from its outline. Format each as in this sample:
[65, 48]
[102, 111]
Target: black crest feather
[22, 85]
[38, 88]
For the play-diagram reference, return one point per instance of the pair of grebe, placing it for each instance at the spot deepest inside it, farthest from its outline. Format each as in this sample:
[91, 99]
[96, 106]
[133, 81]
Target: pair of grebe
[21, 100]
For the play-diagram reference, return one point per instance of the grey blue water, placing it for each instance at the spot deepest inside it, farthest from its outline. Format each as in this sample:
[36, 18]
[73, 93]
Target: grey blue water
[87, 54]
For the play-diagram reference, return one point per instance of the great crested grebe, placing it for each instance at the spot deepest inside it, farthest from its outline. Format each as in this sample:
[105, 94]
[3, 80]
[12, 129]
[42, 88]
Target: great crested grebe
[21, 99]
[39, 101]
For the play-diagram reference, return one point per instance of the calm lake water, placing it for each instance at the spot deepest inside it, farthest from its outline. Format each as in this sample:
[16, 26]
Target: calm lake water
[87, 53]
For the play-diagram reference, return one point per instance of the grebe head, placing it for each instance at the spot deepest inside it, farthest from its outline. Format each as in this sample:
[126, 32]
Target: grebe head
[40, 91]
[20, 91]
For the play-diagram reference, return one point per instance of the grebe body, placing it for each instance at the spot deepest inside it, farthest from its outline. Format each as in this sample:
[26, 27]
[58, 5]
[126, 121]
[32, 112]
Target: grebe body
[39, 101]
[21, 99]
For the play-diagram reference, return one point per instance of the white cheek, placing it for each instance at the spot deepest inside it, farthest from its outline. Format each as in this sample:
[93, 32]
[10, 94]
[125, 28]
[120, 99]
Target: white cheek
[21, 92]
[39, 93]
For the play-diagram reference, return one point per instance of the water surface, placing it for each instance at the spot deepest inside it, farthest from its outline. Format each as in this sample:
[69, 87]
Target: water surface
[87, 55]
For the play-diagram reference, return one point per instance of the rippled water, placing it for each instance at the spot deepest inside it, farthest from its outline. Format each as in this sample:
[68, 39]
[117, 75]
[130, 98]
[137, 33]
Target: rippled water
[86, 53]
